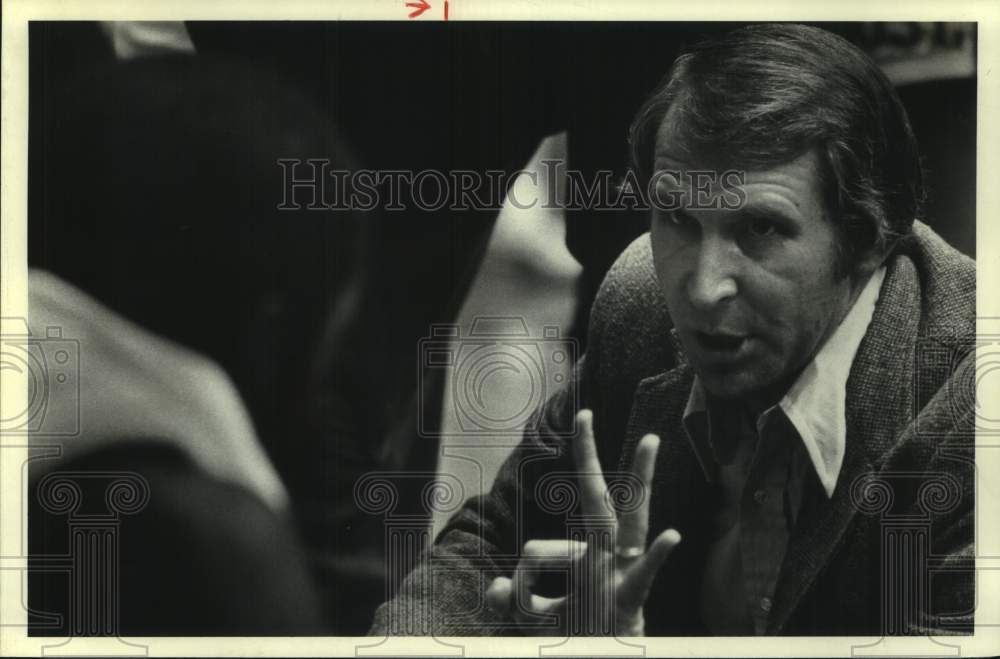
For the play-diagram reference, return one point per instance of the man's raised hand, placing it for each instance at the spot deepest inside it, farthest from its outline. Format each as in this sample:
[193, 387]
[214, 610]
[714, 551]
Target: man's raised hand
[612, 571]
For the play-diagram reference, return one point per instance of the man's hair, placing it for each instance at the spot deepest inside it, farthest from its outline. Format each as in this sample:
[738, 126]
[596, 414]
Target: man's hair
[762, 95]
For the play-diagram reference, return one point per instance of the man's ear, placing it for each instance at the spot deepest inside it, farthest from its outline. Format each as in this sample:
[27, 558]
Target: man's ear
[873, 258]
[867, 263]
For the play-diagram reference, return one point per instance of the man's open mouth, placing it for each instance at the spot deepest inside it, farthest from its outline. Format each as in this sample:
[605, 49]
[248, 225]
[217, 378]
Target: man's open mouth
[720, 342]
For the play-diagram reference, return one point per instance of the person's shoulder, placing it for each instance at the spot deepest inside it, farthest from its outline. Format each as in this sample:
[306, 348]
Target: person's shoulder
[939, 253]
[948, 283]
[629, 288]
[629, 323]
[943, 358]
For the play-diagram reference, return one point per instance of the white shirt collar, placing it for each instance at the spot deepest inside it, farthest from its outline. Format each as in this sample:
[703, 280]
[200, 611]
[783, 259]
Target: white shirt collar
[816, 403]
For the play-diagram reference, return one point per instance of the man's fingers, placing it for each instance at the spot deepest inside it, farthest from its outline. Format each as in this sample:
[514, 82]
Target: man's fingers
[551, 552]
[537, 557]
[540, 556]
[512, 597]
[593, 489]
[633, 524]
[544, 613]
[639, 577]
[498, 596]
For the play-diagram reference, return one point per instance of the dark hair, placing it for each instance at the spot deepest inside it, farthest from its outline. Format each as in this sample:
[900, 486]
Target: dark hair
[763, 95]
[157, 192]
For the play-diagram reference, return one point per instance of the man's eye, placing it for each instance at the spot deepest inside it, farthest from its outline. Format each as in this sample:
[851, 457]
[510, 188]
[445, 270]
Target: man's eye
[761, 227]
[681, 220]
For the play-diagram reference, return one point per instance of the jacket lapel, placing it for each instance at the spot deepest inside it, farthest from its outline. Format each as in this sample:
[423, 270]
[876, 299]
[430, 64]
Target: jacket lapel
[879, 407]
[680, 499]
[679, 483]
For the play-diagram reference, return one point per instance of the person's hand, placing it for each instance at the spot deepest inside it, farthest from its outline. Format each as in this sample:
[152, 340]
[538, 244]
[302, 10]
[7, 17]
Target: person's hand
[611, 573]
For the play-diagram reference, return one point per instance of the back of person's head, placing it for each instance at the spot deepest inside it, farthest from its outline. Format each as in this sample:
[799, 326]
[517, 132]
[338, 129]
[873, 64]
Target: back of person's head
[762, 95]
[158, 192]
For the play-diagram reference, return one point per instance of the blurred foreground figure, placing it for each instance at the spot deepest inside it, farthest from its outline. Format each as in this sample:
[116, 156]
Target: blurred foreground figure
[771, 430]
[195, 307]
[165, 444]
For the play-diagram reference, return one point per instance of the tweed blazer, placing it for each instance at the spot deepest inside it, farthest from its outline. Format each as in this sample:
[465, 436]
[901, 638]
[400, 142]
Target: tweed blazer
[898, 529]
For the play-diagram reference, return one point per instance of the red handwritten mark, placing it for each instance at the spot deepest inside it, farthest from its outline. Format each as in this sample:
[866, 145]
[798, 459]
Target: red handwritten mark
[420, 6]
[445, 9]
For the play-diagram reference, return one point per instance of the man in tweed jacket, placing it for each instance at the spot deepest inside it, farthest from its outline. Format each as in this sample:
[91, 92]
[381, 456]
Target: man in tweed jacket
[778, 393]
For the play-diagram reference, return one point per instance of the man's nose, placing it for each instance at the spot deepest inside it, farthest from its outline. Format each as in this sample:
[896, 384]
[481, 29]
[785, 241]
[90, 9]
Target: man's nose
[713, 279]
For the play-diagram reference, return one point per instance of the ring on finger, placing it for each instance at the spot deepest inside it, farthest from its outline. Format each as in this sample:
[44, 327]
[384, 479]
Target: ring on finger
[629, 553]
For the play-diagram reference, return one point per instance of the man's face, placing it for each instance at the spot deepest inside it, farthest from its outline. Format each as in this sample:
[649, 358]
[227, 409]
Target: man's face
[752, 292]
